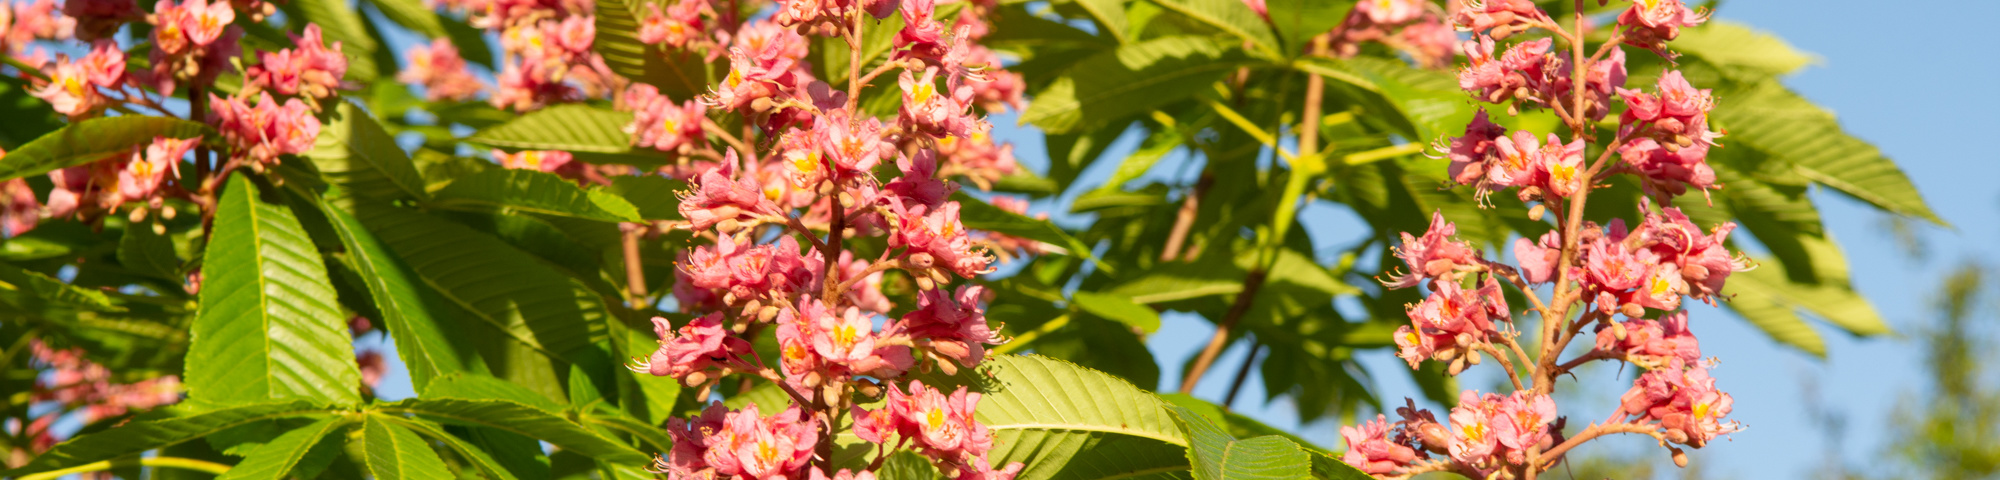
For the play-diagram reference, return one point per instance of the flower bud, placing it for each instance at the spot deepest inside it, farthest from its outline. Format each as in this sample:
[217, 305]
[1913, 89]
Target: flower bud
[1538, 211]
[1680, 458]
[138, 215]
[768, 313]
[728, 226]
[1472, 357]
[1633, 310]
[921, 260]
[167, 212]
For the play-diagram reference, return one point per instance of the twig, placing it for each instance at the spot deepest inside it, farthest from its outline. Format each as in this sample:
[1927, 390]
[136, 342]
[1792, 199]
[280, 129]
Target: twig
[635, 275]
[1184, 220]
[1242, 372]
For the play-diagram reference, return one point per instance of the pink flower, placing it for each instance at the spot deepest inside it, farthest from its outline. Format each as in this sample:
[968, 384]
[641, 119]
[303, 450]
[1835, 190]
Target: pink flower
[934, 238]
[96, 19]
[1414, 346]
[847, 338]
[69, 89]
[440, 70]
[1651, 343]
[205, 21]
[1538, 260]
[1435, 255]
[1470, 154]
[147, 169]
[1369, 448]
[1651, 23]
[1507, 16]
[372, 367]
[659, 123]
[1523, 421]
[1455, 312]
[922, 35]
[1683, 399]
[953, 326]
[267, 130]
[538, 160]
[20, 212]
[717, 196]
[1475, 421]
[741, 444]
[105, 65]
[1390, 11]
[942, 426]
[703, 345]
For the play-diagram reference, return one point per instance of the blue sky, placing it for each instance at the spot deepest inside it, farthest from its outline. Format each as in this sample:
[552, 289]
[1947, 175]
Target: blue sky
[1912, 92]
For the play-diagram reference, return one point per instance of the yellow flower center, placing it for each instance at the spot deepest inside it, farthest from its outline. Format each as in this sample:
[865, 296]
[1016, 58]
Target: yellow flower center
[142, 168]
[1661, 286]
[532, 159]
[1701, 411]
[1563, 174]
[922, 92]
[73, 85]
[845, 336]
[935, 418]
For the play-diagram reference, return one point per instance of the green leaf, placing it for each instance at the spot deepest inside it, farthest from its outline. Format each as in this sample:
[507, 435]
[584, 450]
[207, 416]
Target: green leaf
[396, 453]
[657, 198]
[1094, 426]
[92, 140]
[521, 419]
[1832, 298]
[497, 284]
[1110, 14]
[1129, 80]
[1760, 306]
[592, 134]
[619, 422]
[1170, 281]
[147, 253]
[471, 42]
[466, 451]
[1236, 424]
[268, 327]
[46, 289]
[907, 465]
[1769, 118]
[1231, 16]
[292, 450]
[482, 387]
[510, 191]
[354, 152]
[681, 75]
[412, 14]
[1118, 308]
[1734, 46]
[417, 317]
[1297, 21]
[142, 435]
[1216, 455]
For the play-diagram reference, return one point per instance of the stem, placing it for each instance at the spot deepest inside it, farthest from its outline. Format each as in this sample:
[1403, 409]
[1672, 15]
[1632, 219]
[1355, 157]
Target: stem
[1242, 372]
[1501, 356]
[167, 462]
[872, 269]
[635, 275]
[1545, 371]
[1221, 338]
[1593, 432]
[1184, 220]
[1308, 145]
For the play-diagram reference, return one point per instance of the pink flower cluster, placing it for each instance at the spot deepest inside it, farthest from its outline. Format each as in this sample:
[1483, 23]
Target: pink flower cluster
[266, 130]
[1681, 396]
[192, 42]
[939, 426]
[1415, 27]
[741, 444]
[75, 382]
[1652, 267]
[313, 70]
[441, 71]
[75, 88]
[1667, 137]
[1642, 272]
[660, 123]
[88, 190]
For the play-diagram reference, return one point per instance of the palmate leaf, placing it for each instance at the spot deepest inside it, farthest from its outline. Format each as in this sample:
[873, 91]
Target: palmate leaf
[592, 134]
[396, 453]
[907, 465]
[412, 14]
[35, 290]
[679, 75]
[656, 198]
[1231, 16]
[1110, 14]
[304, 449]
[515, 190]
[1297, 21]
[1831, 298]
[147, 434]
[520, 419]
[268, 327]
[1759, 305]
[1217, 455]
[1769, 118]
[147, 253]
[1235, 423]
[1735, 46]
[1118, 308]
[416, 317]
[1070, 422]
[92, 140]
[1129, 80]
[355, 152]
[466, 451]
[496, 284]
